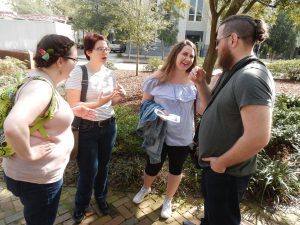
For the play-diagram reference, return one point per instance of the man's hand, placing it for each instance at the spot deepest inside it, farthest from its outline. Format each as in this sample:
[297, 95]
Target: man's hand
[197, 75]
[215, 164]
[84, 112]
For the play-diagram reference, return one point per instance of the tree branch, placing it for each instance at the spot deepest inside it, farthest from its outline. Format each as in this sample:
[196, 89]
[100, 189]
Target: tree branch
[223, 7]
[213, 8]
[267, 4]
[233, 8]
[249, 6]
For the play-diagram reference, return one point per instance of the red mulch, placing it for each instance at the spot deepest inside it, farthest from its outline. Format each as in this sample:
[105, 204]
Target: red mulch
[133, 86]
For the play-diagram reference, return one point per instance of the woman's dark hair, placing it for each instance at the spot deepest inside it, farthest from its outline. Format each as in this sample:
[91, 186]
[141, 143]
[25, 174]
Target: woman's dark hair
[247, 28]
[54, 46]
[170, 63]
[89, 42]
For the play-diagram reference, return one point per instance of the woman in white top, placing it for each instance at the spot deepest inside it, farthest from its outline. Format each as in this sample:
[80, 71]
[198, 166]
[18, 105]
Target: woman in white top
[34, 172]
[97, 136]
[171, 88]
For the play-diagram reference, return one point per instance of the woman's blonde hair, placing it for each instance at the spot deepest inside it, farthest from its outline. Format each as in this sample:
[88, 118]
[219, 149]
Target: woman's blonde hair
[164, 72]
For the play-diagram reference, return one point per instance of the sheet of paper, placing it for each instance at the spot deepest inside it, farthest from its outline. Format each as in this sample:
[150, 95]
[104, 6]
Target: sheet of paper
[171, 117]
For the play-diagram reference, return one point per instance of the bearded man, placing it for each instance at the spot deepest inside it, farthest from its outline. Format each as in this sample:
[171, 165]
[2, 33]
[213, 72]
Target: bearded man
[237, 118]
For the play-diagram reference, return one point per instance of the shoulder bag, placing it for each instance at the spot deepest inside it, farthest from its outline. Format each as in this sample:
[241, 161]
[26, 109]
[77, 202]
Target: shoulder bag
[77, 120]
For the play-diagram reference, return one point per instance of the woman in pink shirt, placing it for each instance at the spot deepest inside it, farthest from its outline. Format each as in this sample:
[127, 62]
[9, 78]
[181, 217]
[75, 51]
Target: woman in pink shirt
[34, 173]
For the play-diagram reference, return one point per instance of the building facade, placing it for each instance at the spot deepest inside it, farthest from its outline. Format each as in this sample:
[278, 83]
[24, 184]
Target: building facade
[195, 25]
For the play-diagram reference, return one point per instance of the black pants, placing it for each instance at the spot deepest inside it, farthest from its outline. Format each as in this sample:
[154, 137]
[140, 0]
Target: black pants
[177, 156]
[222, 195]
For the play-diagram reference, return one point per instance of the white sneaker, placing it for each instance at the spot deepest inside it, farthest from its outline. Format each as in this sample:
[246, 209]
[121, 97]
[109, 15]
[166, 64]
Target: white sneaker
[139, 197]
[166, 211]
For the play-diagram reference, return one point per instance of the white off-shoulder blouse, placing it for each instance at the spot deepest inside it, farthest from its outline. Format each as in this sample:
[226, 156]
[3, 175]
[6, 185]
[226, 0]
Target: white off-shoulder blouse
[176, 99]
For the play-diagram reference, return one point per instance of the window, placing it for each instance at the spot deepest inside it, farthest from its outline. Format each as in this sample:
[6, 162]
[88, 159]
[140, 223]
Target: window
[195, 10]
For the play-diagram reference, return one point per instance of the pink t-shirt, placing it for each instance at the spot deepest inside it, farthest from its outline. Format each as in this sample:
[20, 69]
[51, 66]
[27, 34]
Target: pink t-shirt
[50, 168]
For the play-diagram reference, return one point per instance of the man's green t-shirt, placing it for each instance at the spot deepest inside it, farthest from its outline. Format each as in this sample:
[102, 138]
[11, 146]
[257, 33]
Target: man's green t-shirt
[221, 125]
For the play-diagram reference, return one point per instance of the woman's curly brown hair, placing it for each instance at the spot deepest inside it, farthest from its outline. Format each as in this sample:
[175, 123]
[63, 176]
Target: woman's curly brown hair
[60, 47]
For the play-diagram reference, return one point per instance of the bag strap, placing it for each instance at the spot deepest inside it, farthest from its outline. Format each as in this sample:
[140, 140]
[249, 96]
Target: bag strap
[222, 81]
[84, 87]
[226, 77]
[38, 124]
[84, 83]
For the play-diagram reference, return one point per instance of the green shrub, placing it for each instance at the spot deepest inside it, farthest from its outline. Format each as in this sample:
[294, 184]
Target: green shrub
[127, 139]
[275, 182]
[285, 69]
[110, 65]
[11, 70]
[286, 122]
[126, 171]
[277, 178]
[153, 64]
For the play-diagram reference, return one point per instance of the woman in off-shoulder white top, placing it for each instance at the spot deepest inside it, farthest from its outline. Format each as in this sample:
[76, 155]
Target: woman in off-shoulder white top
[171, 88]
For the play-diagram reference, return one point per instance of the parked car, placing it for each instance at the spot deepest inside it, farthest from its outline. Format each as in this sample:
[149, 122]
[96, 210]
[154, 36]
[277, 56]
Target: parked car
[116, 46]
[79, 45]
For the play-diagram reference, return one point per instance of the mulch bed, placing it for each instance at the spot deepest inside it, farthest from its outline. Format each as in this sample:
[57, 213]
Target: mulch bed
[133, 86]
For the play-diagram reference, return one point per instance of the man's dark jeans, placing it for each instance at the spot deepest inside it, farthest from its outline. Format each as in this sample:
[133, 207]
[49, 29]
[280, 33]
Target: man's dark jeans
[40, 200]
[222, 195]
[94, 153]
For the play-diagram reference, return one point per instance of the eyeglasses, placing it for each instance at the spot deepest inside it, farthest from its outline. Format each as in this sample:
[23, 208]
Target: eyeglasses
[75, 60]
[101, 49]
[217, 41]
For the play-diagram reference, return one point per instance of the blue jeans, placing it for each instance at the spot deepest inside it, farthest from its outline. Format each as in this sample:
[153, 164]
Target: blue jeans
[40, 200]
[94, 153]
[222, 194]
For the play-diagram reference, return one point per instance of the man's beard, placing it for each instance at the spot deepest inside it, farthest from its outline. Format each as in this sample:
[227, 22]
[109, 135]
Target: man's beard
[225, 60]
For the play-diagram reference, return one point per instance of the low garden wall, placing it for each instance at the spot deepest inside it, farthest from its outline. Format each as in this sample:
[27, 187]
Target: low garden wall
[25, 56]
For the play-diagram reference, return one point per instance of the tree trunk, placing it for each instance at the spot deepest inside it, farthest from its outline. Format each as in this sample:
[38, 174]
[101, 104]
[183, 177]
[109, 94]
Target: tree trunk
[129, 52]
[234, 7]
[137, 60]
[211, 55]
[163, 49]
[249, 6]
[293, 53]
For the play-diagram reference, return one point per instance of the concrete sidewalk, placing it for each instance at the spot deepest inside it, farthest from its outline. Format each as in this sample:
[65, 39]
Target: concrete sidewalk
[124, 212]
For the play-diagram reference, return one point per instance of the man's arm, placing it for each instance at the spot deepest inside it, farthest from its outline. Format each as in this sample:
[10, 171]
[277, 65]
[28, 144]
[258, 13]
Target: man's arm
[203, 97]
[257, 121]
[197, 75]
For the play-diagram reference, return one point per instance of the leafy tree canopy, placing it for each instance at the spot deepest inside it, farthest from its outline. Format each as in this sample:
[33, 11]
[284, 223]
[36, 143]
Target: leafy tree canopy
[283, 36]
[39, 7]
[223, 8]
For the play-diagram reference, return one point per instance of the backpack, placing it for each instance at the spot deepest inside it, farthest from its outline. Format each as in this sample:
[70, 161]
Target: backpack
[7, 100]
